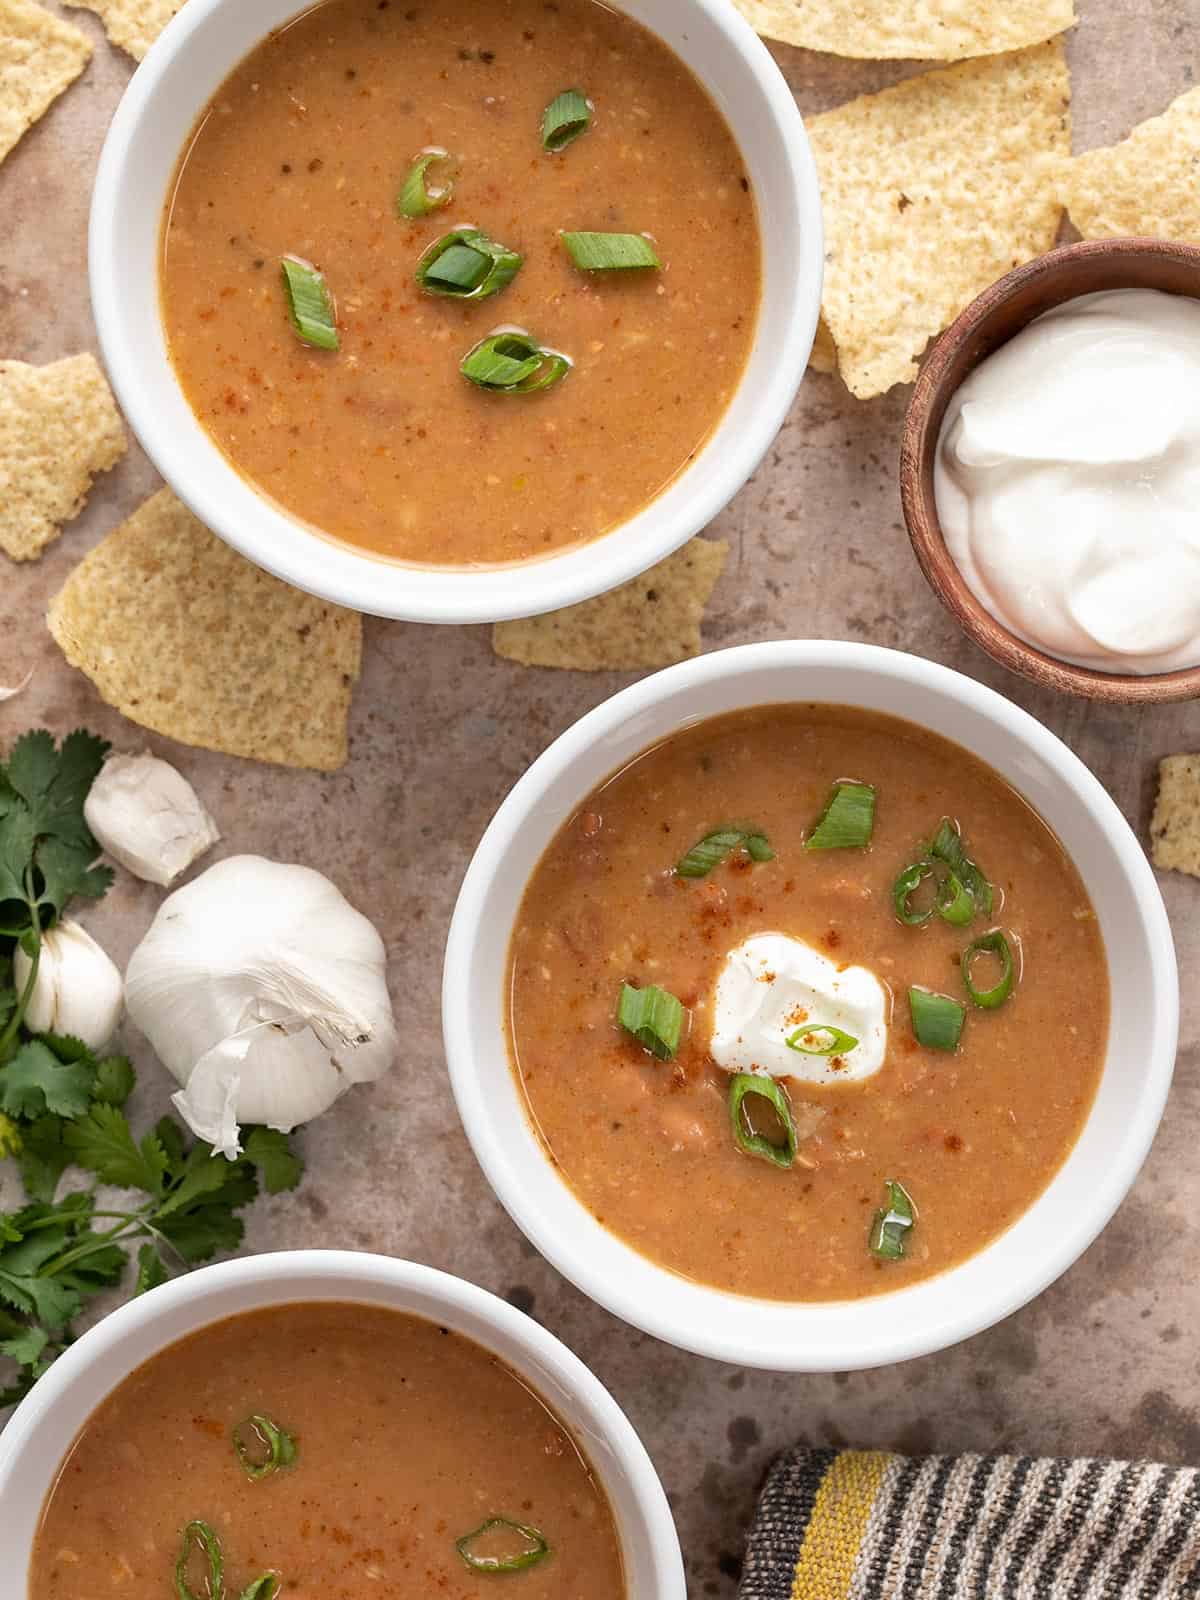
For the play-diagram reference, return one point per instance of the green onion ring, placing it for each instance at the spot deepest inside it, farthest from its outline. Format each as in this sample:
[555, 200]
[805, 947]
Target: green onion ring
[261, 1431]
[891, 1226]
[418, 197]
[937, 1020]
[566, 117]
[992, 943]
[839, 1043]
[510, 362]
[465, 264]
[755, 1144]
[905, 886]
[198, 1535]
[611, 252]
[264, 1588]
[537, 1547]
[948, 846]
[654, 1017]
[309, 303]
[847, 820]
[716, 846]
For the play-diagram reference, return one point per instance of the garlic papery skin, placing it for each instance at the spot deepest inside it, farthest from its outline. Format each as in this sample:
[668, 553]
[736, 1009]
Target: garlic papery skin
[263, 992]
[148, 817]
[78, 988]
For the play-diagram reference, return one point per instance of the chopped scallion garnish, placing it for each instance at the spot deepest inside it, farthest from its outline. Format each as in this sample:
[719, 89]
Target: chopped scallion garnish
[710, 851]
[937, 1020]
[565, 118]
[995, 944]
[610, 252]
[905, 886]
[750, 1084]
[847, 820]
[467, 265]
[948, 846]
[262, 1446]
[309, 303]
[475, 1547]
[821, 1039]
[199, 1538]
[264, 1588]
[511, 362]
[422, 192]
[654, 1017]
[892, 1225]
[951, 899]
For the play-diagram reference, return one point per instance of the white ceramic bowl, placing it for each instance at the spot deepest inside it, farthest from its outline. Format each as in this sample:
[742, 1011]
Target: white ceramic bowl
[47, 1421]
[186, 66]
[1036, 1249]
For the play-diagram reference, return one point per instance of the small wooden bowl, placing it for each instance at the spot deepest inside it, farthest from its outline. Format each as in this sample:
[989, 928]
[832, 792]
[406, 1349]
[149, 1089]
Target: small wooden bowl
[990, 321]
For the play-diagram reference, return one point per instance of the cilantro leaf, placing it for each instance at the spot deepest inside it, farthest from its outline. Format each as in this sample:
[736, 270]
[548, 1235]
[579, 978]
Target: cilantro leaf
[54, 784]
[170, 1135]
[102, 1142]
[35, 1081]
[199, 1234]
[17, 839]
[25, 1347]
[151, 1270]
[43, 1157]
[114, 1080]
[201, 1175]
[11, 1141]
[270, 1152]
[68, 869]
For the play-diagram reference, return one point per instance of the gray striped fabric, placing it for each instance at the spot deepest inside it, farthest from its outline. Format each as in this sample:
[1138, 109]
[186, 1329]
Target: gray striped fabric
[847, 1526]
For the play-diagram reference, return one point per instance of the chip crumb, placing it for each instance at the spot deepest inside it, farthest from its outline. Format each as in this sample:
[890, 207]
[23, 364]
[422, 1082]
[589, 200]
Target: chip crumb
[1149, 185]
[915, 30]
[132, 24]
[40, 56]
[59, 427]
[652, 621]
[1175, 825]
[932, 190]
[186, 637]
[823, 355]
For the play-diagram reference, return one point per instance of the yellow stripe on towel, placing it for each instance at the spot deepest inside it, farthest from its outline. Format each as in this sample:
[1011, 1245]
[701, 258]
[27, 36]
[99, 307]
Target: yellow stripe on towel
[825, 1566]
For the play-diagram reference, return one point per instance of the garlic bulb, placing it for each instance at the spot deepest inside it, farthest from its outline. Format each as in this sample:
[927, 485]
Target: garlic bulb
[148, 817]
[78, 989]
[262, 990]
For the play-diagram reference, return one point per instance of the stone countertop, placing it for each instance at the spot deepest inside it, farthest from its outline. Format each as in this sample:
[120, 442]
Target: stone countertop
[1098, 1363]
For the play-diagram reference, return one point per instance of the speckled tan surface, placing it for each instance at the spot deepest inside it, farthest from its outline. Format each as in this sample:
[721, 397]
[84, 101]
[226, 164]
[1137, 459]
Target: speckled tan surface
[1105, 1361]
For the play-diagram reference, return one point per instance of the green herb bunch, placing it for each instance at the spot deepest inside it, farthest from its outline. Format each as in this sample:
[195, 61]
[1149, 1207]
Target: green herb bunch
[62, 1106]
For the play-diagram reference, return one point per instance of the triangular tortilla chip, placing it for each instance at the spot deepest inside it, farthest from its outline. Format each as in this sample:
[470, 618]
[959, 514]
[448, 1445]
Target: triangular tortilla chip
[1148, 185]
[59, 426]
[932, 190]
[652, 621]
[909, 30]
[40, 56]
[132, 24]
[184, 636]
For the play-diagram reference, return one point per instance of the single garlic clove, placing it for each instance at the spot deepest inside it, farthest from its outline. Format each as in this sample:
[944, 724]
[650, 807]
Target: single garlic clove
[78, 990]
[147, 816]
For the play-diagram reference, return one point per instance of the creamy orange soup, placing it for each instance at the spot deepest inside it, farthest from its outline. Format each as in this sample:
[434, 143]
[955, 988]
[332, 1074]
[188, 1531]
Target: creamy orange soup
[973, 1134]
[403, 1440]
[383, 443]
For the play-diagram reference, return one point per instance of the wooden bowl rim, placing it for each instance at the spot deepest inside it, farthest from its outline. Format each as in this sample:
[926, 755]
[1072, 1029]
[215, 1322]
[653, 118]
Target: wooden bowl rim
[922, 427]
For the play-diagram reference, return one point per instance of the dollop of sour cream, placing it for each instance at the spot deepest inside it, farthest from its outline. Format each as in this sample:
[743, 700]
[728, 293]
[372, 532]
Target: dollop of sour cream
[1067, 479]
[773, 985]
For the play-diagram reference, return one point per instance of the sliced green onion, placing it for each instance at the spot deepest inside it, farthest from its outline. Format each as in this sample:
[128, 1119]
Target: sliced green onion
[710, 851]
[512, 363]
[948, 846]
[743, 1084]
[264, 1588]
[534, 1548]
[653, 1016]
[937, 1020]
[892, 1225]
[262, 1446]
[309, 303]
[847, 820]
[610, 252]
[566, 117]
[995, 944]
[955, 903]
[952, 901]
[419, 195]
[467, 265]
[198, 1536]
[905, 886]
[821, 1039]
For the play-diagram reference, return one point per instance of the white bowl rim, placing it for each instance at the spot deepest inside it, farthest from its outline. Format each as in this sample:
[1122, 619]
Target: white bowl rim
[882, 1339]
[358, 1272]
[354, 579]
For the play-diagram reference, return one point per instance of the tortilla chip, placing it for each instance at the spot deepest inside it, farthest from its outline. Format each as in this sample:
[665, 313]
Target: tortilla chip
[652, 621]
[59, 427]
[184, 636]
[823, 355]
[909, 30]
[1175, 826]
[1149, 185]
[40, 56]
[932, 190]
[132, 24]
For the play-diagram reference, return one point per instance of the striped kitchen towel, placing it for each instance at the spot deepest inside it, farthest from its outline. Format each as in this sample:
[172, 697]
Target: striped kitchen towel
[862, 1525]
